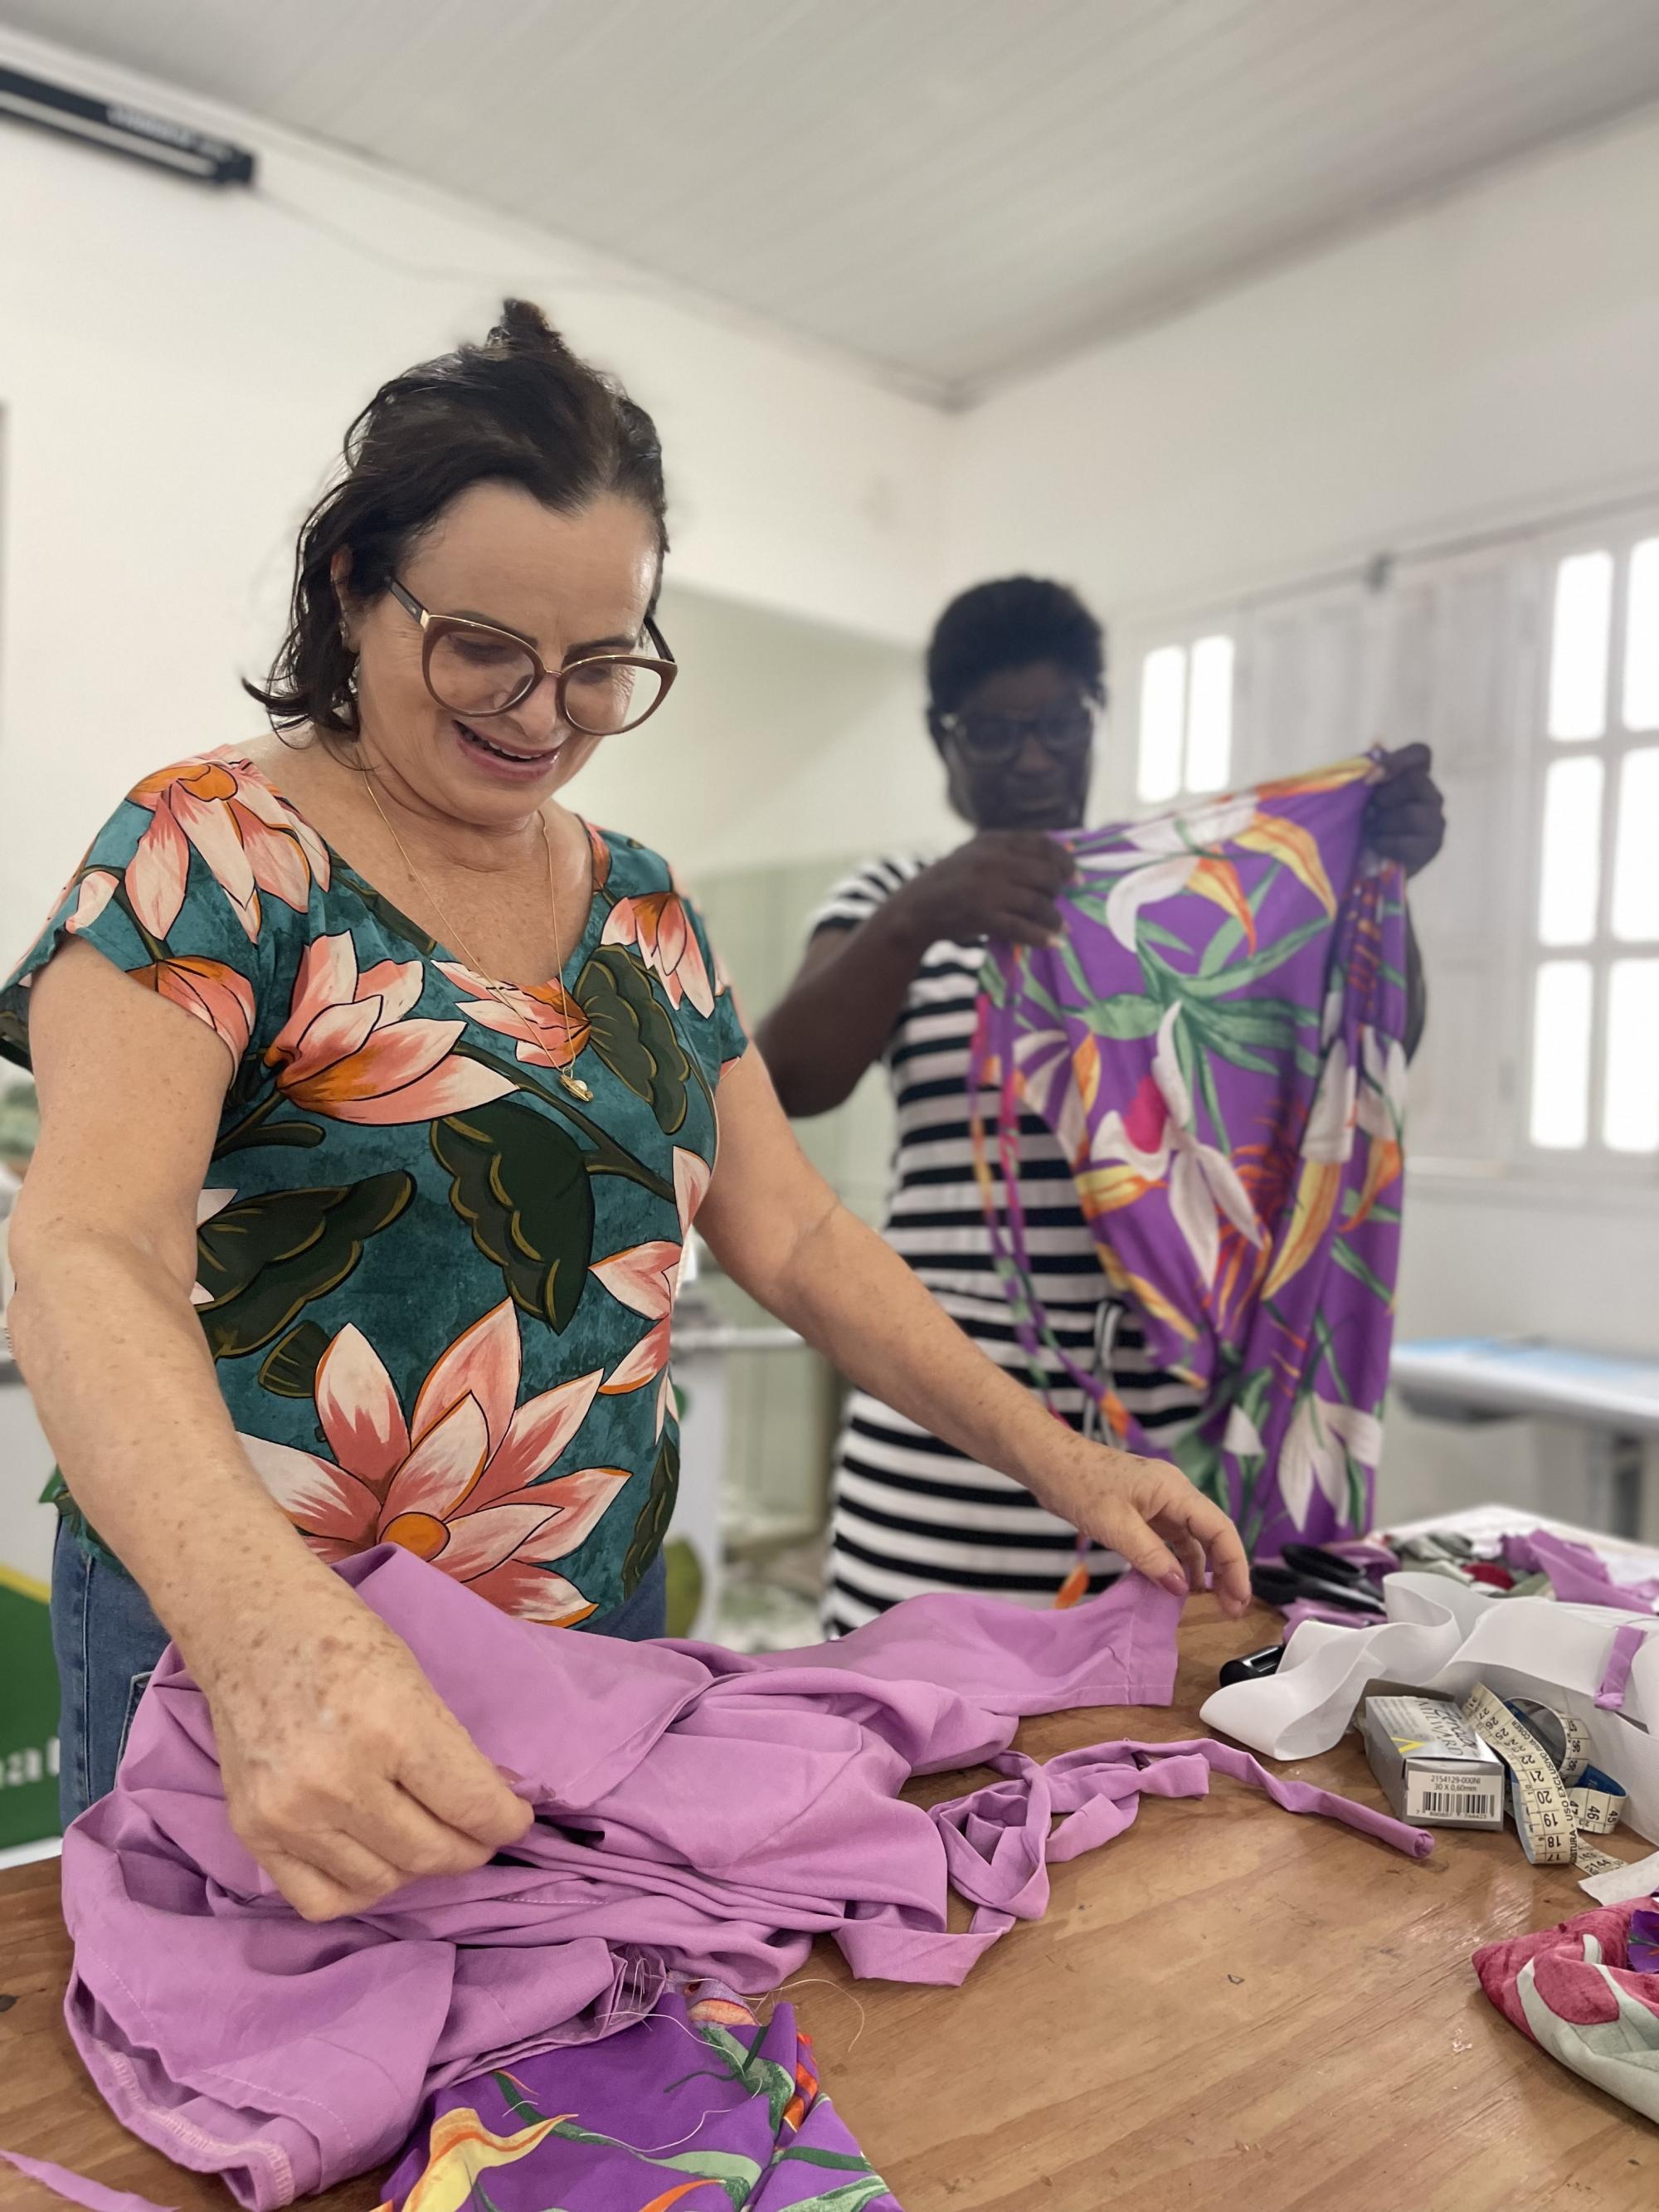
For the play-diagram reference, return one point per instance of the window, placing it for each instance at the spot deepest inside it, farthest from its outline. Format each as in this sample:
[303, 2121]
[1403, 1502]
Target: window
[1187, 719]
[1530, 663]
[1595, 1075]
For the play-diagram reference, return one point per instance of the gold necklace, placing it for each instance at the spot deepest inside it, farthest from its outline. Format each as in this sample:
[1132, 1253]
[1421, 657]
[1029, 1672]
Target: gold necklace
[573, 1083]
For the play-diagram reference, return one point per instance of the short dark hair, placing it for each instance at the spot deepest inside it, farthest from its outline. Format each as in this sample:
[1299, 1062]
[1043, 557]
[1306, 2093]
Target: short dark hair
[520, 409]
[1009, 624]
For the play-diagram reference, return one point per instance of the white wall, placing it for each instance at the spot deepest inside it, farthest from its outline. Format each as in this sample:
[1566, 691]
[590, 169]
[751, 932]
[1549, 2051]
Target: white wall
[177, 367]
[783, 741]
[1492, 359]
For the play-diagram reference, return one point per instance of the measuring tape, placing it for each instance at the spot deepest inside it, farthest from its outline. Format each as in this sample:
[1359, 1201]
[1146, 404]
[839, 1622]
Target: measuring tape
[1557, 1798]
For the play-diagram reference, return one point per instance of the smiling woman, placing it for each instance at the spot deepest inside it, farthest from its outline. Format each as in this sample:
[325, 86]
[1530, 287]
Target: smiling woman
[360, 1221]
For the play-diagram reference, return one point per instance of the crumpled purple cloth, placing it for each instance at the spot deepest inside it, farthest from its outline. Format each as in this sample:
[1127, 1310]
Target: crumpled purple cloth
[78, 2188]
[1577, 1575]
[700, 1815]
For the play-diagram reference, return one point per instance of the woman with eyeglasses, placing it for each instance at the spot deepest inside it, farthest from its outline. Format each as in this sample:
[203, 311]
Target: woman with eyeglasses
[1016, 681]
[379, 1091]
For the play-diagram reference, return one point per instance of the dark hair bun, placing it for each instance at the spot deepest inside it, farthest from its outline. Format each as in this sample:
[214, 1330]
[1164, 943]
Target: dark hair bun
[522, 409]
[524, 329]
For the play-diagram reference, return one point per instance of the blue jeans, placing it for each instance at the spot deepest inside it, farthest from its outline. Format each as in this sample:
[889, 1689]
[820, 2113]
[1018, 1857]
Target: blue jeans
[107, 1641]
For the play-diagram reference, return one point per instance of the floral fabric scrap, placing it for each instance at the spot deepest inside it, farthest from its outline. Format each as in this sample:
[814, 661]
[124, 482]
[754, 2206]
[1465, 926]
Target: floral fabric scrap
[1217, 1041]
[700, 2105]
[1588, 1992]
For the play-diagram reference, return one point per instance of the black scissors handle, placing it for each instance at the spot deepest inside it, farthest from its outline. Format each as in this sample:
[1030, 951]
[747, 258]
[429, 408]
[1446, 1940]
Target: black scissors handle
[1285, 1586]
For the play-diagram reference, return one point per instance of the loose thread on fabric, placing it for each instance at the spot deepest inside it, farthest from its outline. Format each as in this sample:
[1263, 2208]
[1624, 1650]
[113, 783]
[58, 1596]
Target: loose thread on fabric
[822, 1982]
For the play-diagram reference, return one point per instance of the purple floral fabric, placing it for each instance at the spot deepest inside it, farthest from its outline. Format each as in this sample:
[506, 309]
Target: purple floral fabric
[1217, 1040]
[701, 2104]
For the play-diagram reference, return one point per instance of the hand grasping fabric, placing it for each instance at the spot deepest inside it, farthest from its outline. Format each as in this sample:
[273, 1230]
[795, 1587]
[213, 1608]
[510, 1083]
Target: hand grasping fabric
[1406, 820]
[1146, 1510]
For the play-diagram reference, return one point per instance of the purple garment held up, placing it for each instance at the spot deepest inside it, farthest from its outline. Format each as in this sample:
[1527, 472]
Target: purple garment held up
[700, 1815]
[1216, 1041]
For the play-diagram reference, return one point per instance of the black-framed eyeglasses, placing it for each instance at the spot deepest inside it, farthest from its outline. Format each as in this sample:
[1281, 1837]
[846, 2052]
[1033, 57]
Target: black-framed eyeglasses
[477, 670]
[1064, 733]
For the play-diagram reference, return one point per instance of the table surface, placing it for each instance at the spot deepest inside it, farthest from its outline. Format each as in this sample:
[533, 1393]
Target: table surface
[1228, 2005]
[1519, 1377]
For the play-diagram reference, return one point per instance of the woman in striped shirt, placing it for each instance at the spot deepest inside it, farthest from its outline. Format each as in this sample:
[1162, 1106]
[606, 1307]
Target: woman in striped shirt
[1016, 674]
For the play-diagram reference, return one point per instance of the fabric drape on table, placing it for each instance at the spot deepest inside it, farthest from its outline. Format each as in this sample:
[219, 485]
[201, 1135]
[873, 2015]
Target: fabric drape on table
[1588, 1992]
[702, 2104]
[1217, 1040]
[701, 1815]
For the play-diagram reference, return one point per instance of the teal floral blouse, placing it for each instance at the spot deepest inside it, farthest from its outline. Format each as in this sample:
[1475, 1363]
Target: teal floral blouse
[438, 1249]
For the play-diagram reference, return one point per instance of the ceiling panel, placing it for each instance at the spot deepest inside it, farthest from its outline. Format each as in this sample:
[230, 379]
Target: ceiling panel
[957, 191]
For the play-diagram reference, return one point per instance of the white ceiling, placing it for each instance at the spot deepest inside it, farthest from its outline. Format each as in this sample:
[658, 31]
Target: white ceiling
[955, 190]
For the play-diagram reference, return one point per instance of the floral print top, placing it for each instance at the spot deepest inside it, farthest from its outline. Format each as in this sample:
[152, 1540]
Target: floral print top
[435, 1282]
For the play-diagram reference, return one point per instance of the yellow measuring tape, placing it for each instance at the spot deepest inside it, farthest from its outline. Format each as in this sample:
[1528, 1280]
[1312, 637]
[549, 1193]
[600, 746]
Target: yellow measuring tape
[1547, 1754]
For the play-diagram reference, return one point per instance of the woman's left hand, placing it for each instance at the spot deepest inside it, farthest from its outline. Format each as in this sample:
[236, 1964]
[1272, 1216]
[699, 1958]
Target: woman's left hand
[1406, 820]
[1147, 1511]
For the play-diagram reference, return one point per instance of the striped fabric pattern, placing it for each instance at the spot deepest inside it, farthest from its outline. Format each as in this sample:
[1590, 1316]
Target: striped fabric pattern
[910, 1513]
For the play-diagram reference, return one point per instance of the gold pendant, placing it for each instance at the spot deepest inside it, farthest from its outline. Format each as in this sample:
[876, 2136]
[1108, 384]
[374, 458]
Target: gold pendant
[575, 1086]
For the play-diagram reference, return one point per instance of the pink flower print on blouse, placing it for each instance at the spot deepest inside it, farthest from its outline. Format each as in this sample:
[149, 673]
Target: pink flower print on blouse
[251, 839]
[351, 1051]
[455, 1483]
[659, 925]
[645, 1278]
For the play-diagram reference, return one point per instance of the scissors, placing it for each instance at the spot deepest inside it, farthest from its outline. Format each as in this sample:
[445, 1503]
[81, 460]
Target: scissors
[1310, 1573]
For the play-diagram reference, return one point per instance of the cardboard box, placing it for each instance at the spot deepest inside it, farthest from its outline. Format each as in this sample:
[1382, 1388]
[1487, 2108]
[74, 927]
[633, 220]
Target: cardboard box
[1435, 1771]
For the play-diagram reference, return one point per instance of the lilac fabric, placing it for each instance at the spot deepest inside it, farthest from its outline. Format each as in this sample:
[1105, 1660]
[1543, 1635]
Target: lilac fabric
[77, 2188]
[1217, 1042]
[1615, 1680]
[1368, 1554]
[700, 1815]
[1577, 1575]
[701, 2100]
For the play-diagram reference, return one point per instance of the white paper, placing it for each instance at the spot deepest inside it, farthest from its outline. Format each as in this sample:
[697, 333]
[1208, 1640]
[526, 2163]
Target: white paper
[1640, 1879]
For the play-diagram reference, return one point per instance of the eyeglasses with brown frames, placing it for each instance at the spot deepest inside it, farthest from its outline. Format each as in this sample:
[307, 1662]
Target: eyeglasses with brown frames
[476, 669]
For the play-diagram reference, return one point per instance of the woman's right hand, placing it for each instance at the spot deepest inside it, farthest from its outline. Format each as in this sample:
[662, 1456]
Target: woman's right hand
[1000, 884]
[345, 1774]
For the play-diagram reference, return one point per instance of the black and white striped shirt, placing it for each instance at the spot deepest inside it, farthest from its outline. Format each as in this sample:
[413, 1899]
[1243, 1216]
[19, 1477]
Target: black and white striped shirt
[910, 1513]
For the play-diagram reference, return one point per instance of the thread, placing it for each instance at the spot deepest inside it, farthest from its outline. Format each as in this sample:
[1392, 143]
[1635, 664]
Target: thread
[823, 1982]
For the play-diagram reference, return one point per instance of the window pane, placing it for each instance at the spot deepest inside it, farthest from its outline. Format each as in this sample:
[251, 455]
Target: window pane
[1572, 853]
[1162, 714]
[1642, 639]
[1629, 1118]
[1560, 1055]
[1636, 864]
[1578, 645]
[1210, 716]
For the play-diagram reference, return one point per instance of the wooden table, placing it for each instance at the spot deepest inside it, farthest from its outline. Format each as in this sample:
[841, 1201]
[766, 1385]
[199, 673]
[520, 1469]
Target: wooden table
[1227, 2007]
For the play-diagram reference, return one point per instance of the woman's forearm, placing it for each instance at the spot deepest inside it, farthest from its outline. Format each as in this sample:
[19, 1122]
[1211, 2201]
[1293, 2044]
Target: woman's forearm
[850, 1295]
[835, 1018]
[121, 1377]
